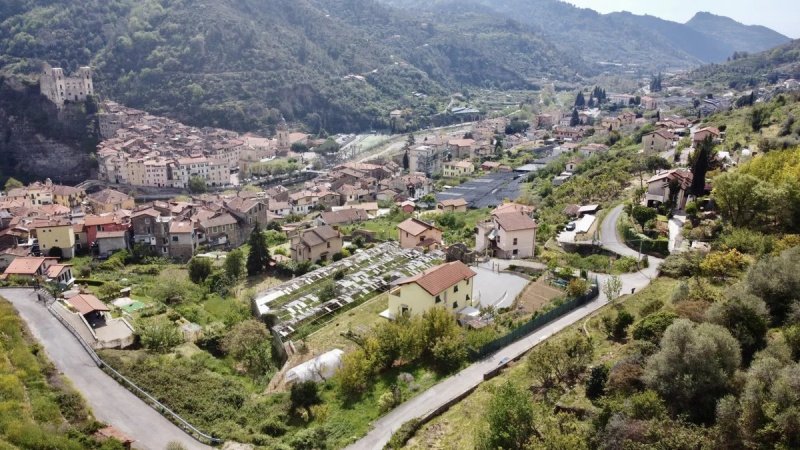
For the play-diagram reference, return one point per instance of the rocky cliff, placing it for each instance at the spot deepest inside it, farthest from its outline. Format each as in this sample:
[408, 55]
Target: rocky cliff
[38, 141]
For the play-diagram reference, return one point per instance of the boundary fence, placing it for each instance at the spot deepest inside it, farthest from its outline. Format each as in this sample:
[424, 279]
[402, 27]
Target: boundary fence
[535, 323]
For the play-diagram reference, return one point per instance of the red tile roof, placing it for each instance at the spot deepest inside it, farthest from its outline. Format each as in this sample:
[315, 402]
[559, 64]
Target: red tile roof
[90, 221]
[25, 266]
[415, 227]
[438, 279]
[181, 227]
[453, 202]
[55, 270]
[514, 221]
[86, 303]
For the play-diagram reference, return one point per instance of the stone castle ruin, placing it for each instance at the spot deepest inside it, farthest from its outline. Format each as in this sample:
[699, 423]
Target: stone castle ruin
[59, 88]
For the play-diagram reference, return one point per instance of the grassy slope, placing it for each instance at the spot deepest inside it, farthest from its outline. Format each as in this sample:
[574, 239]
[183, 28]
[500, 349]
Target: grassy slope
[38, 408]
[458, 427]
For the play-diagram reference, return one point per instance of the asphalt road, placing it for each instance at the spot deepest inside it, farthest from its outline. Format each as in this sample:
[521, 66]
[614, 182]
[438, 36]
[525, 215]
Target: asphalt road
[110, 402]
[472, 376]
[609, 238]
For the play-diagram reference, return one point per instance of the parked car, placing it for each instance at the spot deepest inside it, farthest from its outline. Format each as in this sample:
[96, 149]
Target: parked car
[570, 226]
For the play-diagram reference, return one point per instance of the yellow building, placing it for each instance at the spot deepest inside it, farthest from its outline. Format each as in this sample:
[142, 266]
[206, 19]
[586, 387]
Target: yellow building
[55, 234]
[109, 201]
[68, 196]
[447, 286]
[454, 169]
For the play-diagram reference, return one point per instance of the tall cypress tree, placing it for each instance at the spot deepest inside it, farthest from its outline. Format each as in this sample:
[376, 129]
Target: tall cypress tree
[701, 165]
[580, 100]
[258, 258]
[575, 119]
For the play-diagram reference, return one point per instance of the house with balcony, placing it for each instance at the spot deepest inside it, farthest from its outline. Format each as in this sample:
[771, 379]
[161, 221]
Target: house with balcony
[670, 186]
[150, 228]
[448, 286]
[221, 230]
[507, 235]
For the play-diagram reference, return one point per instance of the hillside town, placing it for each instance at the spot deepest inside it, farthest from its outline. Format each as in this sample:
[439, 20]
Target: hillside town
[506, 223]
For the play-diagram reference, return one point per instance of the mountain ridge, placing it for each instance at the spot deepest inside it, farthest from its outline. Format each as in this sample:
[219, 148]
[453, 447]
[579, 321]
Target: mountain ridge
[242, 64]
[625, 37]
[747, 38]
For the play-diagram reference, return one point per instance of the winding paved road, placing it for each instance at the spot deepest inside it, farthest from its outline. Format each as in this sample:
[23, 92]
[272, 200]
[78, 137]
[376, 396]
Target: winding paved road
[110, 402]
[456, 385]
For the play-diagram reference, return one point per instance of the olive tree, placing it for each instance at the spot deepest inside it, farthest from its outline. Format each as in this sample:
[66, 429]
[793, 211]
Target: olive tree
[509, 420]
[693, 368]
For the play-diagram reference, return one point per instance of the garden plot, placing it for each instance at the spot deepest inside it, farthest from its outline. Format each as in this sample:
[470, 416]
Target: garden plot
[296, 302]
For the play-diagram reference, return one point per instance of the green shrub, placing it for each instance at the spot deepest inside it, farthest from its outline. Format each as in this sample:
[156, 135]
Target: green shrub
[403, 434]
[746, 241]
[652, 327]
[596, 383]
[158, 335]
[682, 264]
[626, 264]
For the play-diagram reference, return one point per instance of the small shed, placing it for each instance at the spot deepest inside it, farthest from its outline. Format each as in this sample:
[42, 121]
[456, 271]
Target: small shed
[87, 304]
[318, 369]
[588, 209]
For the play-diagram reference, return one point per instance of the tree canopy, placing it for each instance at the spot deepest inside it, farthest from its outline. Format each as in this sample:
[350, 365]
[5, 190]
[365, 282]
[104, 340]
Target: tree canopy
[258, 257]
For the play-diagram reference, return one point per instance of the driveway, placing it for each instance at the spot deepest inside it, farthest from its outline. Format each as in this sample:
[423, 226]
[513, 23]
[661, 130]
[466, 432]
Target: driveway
[676, 233]
[497, 289]
[110, 402]
[609, 238]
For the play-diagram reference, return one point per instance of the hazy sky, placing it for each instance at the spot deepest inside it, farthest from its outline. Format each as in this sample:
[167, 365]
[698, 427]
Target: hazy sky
[780, 15]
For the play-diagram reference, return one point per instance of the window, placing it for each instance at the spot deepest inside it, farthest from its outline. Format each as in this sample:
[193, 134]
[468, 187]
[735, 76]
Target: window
[515, 252]
[455, 305]
[515, 241]
[174, 238]
[438, 299]
[329, 244]
[455, 289]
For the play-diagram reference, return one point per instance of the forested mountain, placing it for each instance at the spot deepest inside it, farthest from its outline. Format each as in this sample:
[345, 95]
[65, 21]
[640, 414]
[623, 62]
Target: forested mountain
[623, 37]
[779, 63]
[339, 65]
[240, 64]
[742, 38]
